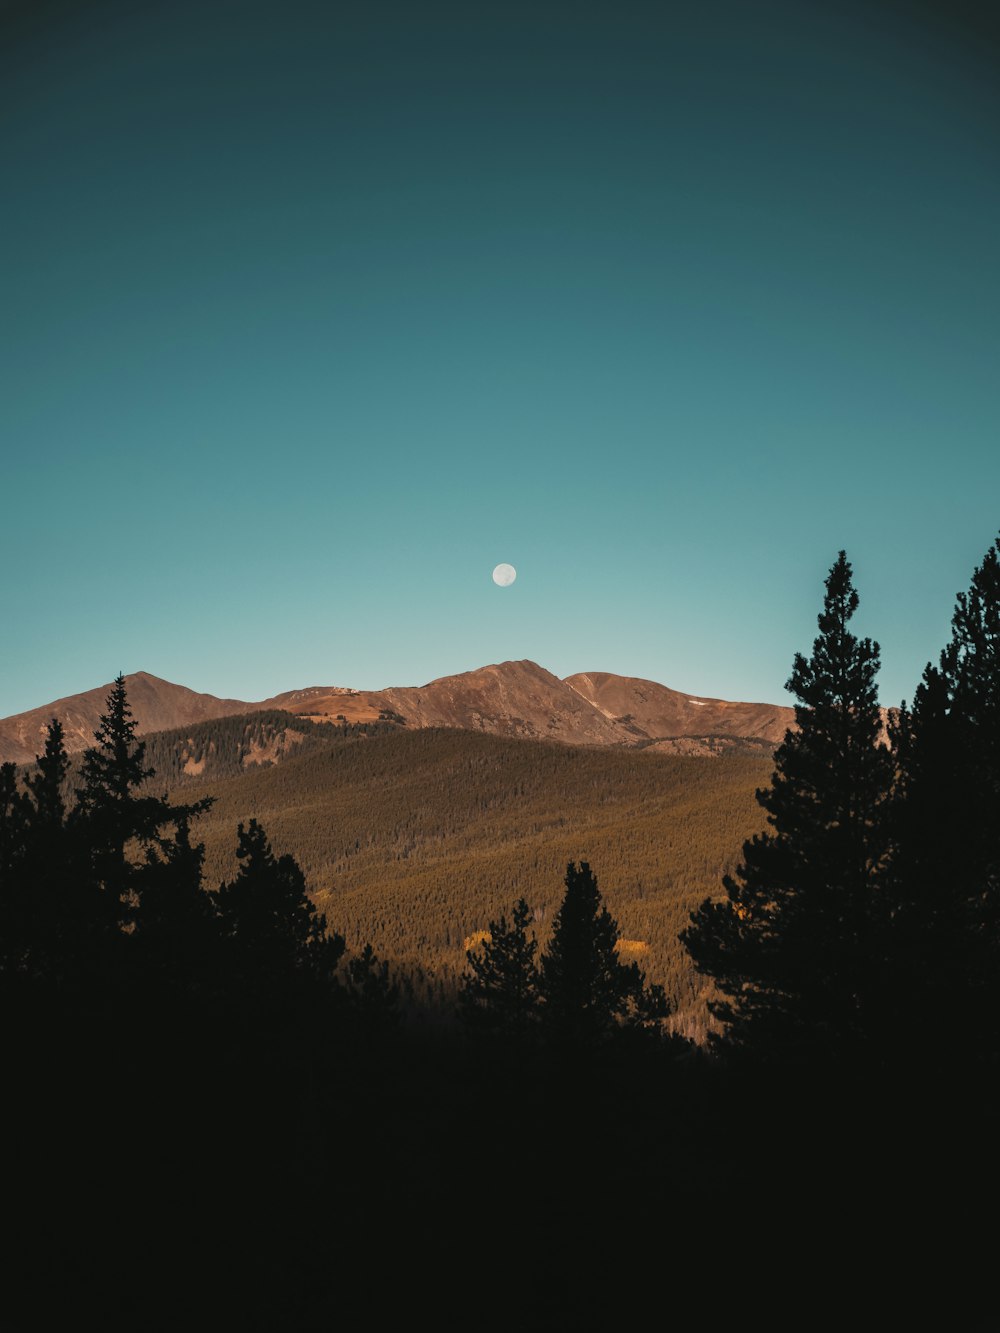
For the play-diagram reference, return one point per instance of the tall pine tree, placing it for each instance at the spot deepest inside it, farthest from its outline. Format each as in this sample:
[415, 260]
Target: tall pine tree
[176, 928]
[794, 946]
[60, 906]
[500, 991]
[945, 869]
[586, 992]
[276, 939]
[15, 924]
[114, 814]
[46, 914]
[47, 783]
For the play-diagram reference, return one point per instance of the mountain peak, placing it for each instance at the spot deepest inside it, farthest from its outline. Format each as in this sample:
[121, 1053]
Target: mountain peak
[510, 698]
[157, 705]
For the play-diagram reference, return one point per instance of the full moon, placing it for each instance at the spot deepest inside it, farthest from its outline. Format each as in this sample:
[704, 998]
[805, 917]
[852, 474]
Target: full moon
[504, 575]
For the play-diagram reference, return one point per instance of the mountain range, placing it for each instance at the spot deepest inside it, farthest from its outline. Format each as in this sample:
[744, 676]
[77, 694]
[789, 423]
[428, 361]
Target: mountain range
[510, 699]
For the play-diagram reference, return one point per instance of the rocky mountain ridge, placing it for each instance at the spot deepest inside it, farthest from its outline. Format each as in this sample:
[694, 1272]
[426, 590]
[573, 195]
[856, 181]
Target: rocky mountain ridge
[514, 699]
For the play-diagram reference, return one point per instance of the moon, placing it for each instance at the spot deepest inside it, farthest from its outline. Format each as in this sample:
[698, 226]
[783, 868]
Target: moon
[504, 575]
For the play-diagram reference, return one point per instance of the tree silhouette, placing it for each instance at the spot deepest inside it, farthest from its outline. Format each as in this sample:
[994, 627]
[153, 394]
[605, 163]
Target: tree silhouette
[114, 767]
[793, 946]
[945, 867]
[586, 991]
[176, 928]
[500, 992]
[375, 998]
[44, 911]
[58, 904]
[15, 928]
[47, 783]
[273, 932]
[112, 811]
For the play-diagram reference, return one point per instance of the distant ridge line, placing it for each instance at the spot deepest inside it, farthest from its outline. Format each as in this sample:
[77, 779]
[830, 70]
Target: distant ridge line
[514, 699]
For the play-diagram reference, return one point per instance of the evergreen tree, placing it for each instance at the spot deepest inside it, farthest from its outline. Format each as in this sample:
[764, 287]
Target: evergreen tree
[114, 768]
[375, 998]
[970, 666]
[586, 992]
[794, 947]
[500, 992]
[112, 811]
[47, 783]
[14, 903]
[35, 868]
[274, 933]
[58, 904]
[945, 869]
[176, 928]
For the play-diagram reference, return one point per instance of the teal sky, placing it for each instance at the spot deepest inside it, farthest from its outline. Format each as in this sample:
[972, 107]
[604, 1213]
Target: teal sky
[310, 314]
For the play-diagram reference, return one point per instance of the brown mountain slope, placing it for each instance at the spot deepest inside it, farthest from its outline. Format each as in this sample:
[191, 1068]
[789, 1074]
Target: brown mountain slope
[156, 705]
[516, 699]
[508, 699]
[523, 699]
[511, 699]
[659, 712]
[326, 703]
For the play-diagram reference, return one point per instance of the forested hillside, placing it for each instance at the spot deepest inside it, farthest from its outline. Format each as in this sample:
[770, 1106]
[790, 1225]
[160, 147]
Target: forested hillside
[415, 841]
[227, 746]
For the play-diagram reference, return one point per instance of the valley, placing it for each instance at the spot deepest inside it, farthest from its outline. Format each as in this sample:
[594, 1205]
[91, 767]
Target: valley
[415, 841]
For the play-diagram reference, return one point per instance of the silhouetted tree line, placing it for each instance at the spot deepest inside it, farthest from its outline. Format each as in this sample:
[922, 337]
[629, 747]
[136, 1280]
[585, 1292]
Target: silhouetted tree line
[865, 924]
[108, 888]
[579, 994]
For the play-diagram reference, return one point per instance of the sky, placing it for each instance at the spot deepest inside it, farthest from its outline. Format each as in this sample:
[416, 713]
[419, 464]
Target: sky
[311, 314]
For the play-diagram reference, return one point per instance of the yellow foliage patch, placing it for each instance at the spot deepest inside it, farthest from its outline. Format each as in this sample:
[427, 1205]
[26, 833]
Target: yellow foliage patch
[632, 948]
[474, 940]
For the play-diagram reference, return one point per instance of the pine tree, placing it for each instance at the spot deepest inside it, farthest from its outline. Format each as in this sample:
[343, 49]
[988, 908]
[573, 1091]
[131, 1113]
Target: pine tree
[945, 866]
[586, 992]
[47, 783]
[373, 995]
[500, 992]
[60, 906]
[794, 946]
[36, 872]
[176, 928]
[970, 666]
[114, 768]
[15, 929]
[113, 811]
[274, 933]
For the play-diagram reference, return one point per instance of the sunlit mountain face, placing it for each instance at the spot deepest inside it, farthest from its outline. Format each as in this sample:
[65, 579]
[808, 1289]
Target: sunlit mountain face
[508, 699]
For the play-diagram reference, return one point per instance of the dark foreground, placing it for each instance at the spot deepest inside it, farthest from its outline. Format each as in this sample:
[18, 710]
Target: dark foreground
[176, 1173]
